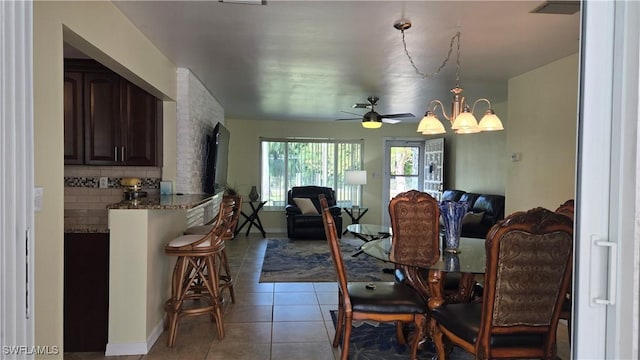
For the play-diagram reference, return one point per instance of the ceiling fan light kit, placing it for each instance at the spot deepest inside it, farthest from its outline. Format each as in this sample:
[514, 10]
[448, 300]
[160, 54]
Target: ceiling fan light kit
[462, 119]
[373, 120]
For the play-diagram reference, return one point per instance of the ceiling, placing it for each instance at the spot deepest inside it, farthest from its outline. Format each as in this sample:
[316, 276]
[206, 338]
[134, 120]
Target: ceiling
[311, 60]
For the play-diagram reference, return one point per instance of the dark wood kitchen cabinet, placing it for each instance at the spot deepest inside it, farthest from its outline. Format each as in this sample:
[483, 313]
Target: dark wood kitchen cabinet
[86, 291]
[101, 118]
[121, 124]
[142, 126]
[73, 120]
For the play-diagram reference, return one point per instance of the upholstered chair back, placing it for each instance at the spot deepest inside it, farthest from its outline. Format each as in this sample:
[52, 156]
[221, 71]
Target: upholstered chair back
[312, 193]
[415, 221]
[529, 260]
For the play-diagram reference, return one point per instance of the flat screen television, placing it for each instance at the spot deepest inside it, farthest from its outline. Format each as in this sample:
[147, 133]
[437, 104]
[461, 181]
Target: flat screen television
[216, 160]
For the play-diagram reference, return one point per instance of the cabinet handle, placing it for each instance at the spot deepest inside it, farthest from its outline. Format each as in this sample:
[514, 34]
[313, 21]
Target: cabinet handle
[115, 153]
[122, 154]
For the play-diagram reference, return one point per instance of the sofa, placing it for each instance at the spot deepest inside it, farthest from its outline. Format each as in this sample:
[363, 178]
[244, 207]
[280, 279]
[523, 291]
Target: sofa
[304, 219]
[484, 211]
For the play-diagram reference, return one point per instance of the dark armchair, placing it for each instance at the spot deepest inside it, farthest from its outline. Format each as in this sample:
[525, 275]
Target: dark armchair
[302, 221]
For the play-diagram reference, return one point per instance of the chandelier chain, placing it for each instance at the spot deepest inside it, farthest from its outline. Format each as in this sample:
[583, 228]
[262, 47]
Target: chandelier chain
[444, 63]
[457, 59]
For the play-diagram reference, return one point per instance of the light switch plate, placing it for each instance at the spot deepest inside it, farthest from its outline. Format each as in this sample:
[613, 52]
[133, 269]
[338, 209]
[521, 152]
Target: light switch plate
[37, 198]
[104, 182]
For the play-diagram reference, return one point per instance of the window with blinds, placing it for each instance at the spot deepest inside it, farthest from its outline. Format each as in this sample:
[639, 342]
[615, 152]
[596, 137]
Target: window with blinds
[286, 163]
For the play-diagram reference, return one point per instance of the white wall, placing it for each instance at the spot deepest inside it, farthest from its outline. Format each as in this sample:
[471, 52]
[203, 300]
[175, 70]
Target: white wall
[102, 32]
[542, 129]
[198, 113]
[478, 162]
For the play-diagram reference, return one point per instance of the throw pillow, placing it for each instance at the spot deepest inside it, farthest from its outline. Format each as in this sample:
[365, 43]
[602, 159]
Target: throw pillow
[306, 206]
[472, 218]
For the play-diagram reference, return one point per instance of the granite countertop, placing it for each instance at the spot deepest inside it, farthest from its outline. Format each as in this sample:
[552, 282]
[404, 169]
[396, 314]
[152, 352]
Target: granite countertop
[87, 229]
[163, 202]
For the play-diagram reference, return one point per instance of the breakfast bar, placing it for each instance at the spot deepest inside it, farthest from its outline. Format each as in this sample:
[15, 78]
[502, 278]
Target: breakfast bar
[139, 271]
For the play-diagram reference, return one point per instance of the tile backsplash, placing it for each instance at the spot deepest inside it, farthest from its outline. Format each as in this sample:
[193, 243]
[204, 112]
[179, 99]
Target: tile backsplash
[85, 202]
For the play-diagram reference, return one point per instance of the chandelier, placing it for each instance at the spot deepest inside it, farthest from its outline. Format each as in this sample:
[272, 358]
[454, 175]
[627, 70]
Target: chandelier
[462, 119]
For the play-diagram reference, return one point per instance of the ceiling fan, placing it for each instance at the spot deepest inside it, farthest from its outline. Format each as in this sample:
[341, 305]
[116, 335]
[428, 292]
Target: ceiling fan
[372, 119]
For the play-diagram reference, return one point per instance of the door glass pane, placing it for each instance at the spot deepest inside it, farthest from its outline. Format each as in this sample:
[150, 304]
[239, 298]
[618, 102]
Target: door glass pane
[404, 160]
[404, 169]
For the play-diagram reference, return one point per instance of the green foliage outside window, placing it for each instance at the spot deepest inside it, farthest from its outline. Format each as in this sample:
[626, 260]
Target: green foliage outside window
[291, 162]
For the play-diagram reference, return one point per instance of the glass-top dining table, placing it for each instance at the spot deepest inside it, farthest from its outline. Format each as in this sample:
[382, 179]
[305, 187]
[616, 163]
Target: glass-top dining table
[429, 281]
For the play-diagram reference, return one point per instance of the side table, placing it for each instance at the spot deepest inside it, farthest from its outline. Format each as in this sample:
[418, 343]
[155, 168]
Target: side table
[253, 218]
[355, 214]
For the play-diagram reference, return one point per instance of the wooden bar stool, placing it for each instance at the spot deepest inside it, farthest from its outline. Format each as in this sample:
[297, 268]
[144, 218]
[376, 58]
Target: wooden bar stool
[196, 275]
[231, 222]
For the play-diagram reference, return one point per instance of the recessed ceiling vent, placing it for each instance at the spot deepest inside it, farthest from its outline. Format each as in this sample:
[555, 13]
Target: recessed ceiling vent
[245, 2]
[557, 7]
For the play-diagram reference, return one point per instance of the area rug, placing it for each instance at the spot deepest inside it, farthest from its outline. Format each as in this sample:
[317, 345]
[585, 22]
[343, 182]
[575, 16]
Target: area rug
[371, 340]
[310, 261]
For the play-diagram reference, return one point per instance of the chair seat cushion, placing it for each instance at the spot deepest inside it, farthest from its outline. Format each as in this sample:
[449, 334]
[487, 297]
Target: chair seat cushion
[386, 297]
[464, 321]
[185, 240]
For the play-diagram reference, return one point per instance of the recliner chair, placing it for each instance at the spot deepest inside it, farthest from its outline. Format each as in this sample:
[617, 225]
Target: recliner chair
[309, 225]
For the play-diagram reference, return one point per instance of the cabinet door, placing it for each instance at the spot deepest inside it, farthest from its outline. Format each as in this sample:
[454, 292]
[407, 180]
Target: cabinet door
[73, 120]
[140, 132]
[102, 118]
[86, 292]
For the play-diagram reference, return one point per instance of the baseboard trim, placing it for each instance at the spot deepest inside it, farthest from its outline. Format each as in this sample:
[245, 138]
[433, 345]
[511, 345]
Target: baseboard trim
[141, 348]
[155, 334]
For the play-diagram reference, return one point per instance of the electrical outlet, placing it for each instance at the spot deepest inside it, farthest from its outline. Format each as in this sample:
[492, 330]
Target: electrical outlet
[104, 182]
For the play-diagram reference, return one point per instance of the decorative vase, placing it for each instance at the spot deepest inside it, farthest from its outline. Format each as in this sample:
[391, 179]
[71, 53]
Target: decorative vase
[452, 213]
[253, 195]
[451, 262]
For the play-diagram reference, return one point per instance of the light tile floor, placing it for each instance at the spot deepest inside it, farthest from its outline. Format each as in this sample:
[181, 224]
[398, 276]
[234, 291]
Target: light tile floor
[278, 321]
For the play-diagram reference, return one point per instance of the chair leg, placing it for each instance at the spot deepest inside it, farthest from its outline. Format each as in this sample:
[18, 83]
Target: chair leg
[174, 305]
[438, 339]
[420, 321]
[226, 278]
[400, 334]
[214, 289]
[346, 338]
[339, 323]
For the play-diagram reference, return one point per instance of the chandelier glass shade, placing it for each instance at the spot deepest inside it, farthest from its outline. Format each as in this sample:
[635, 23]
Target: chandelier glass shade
[462, 119]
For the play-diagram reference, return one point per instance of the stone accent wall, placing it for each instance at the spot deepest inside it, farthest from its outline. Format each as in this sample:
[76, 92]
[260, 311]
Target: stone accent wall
[198, 113]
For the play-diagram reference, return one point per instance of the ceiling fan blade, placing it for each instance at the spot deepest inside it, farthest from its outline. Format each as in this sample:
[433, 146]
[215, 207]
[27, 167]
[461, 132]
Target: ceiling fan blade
[361, 106]
[390, 121]
[396, 116]
[359, 118]
[351, 113]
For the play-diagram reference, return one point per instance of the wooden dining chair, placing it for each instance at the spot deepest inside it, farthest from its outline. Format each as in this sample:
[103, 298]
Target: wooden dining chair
[378, 301]
[415, 224]
[520, 308]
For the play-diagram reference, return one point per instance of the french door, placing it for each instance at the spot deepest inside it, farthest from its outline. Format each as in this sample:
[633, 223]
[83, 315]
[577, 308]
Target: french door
[607, 245]
[411, 164]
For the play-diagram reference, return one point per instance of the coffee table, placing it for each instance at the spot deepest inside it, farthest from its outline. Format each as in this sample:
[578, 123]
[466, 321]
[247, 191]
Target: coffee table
[368, 232]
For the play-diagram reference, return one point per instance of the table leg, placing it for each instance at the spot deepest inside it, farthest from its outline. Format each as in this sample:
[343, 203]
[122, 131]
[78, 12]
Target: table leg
[246, 220]
[252, 219]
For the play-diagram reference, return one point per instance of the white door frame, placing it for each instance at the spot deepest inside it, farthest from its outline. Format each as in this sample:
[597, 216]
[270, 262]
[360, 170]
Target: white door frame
[607, 197]
[16, 180]
[386, 176]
